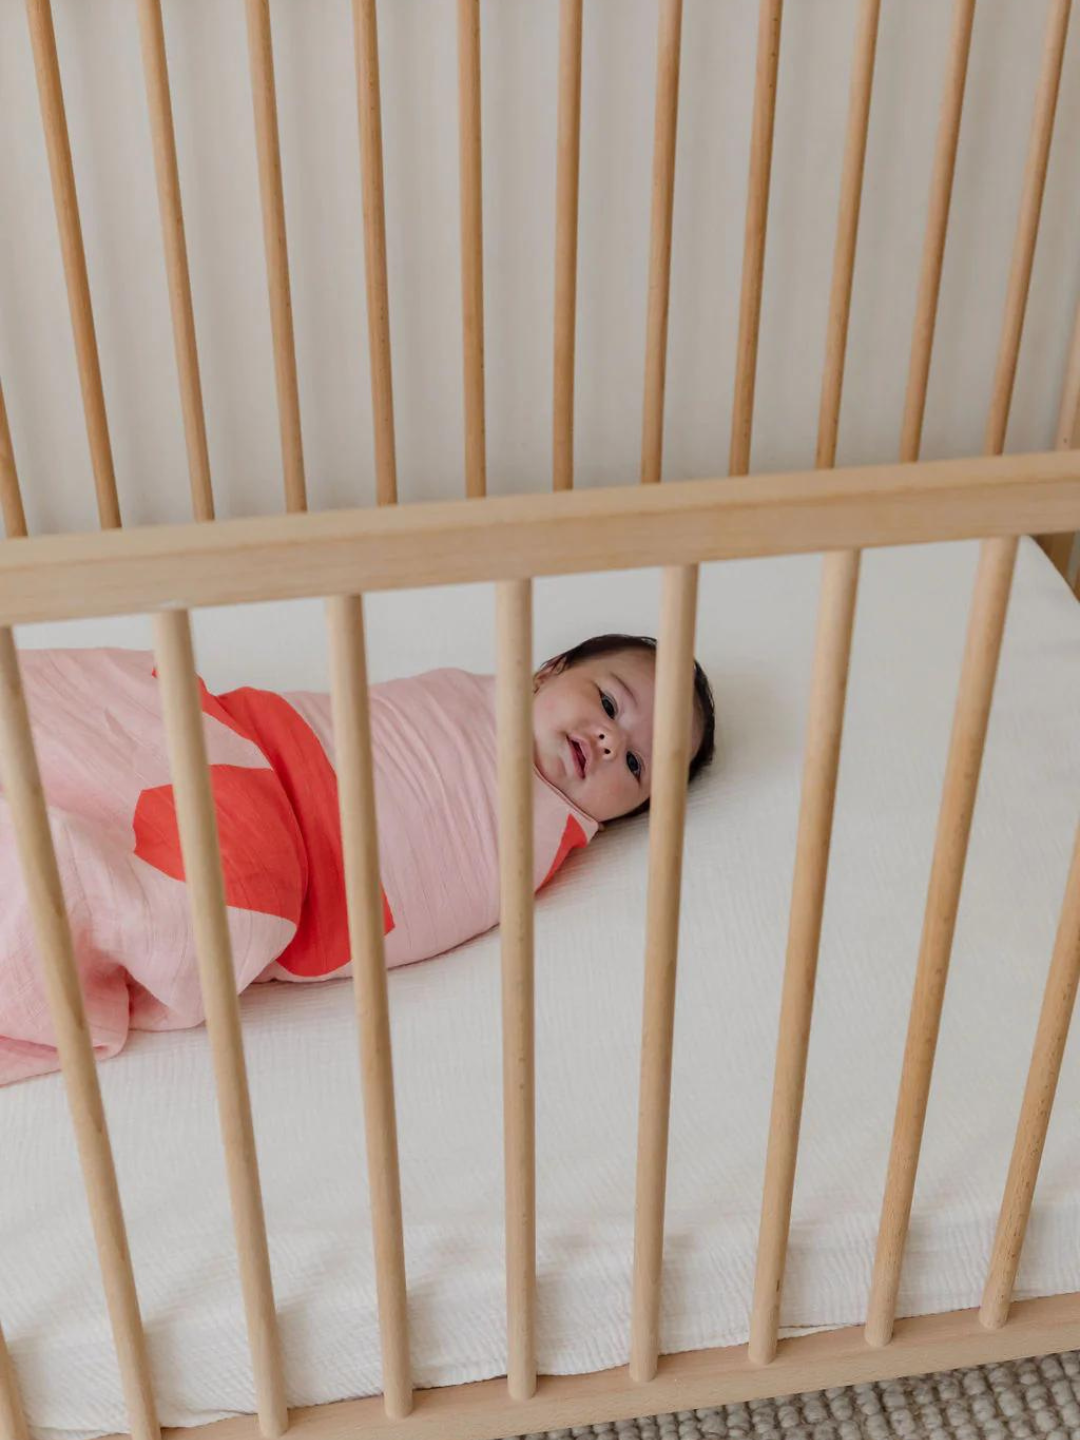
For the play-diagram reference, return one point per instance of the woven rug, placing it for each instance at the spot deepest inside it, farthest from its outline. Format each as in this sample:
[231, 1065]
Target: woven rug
[1019, 1400]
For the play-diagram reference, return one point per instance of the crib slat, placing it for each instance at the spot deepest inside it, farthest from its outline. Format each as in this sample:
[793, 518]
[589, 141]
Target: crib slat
[515, 744]
[933, 255]
[847, 231]
[1059, 547]
[264, 96]
[1068, 426]
[365, 30]
[670, 760]
[50, 91]
[197, 823]
[836, 619]
[20, 780]
[566, 236]
[1059, 999]
[12, 1415]
[986, 626]
[356, 792]
[156, 68]
[663, 198]
[10, 495]
[825, 723]
[472, 245]
[757, 212]
[1038, 159]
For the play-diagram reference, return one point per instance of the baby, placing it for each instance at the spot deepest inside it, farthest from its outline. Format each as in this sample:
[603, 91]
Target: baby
[593, 724]
[102, 751]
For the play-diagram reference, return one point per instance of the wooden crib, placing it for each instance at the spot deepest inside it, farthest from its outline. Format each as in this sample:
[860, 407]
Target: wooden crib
[167, 570]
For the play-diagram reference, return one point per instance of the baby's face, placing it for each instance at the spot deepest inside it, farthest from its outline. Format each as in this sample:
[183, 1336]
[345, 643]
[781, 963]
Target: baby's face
[593, 732]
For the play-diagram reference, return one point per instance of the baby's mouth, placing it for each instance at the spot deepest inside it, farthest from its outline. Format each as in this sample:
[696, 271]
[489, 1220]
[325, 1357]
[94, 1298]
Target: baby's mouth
[579, 757]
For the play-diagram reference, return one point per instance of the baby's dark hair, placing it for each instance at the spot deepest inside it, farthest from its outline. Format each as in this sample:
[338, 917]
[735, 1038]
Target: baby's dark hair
[600, 645]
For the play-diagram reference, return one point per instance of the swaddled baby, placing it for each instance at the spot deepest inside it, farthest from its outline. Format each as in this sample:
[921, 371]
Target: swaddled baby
[102, 752]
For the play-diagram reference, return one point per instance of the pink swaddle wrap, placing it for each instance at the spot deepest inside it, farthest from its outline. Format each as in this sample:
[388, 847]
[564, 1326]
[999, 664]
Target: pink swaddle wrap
[101, 748]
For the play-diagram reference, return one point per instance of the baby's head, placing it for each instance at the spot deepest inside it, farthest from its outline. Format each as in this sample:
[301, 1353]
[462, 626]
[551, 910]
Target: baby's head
[593, 724]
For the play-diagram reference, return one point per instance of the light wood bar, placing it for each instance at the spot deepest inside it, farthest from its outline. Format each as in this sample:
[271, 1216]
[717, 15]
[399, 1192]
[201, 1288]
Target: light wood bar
[1059, 1000]
[62, 173]
[12, 1417]
[663, 199]
[698, 1379]
[365, 31]
[979, 670]
[156, 70]
[272, 195]
[847, 229]
[514, 688]
[1038, 158]
[1059, 547]
[620, 527]
[926, 306]
[472, 245]
[568, 148]
[197, 822]
[11, 504]
[985, 629]
[1068, 427]
[757, 212]
[671, 760]
[20, 781]
[359, 834]
[836, 619]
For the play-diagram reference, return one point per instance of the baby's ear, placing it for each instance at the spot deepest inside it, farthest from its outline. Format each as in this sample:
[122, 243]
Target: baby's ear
[546, 672]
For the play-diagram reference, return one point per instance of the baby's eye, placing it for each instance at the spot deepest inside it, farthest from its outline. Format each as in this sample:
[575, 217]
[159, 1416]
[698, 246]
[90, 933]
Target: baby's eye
[608, 704]
[634, 764]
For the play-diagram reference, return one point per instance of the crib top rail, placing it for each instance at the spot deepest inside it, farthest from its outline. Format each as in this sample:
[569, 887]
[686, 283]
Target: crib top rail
[517, 537]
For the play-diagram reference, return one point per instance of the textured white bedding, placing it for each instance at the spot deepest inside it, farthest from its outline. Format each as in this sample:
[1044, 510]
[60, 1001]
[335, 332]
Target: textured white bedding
[755, 634]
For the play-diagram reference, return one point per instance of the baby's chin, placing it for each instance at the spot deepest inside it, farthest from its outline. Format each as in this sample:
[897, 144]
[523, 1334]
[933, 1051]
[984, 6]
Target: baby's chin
[550, 768]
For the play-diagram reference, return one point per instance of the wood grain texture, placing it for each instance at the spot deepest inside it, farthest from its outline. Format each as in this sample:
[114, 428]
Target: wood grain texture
[62, 174]
[695, 1380]
[832, 659]
[670, 760]
[20, 781]
[985, 629]
[1023, 257]
[513, 699]
[1059, 548]
[836, 619]
[472, 245]
[847, 230]
[514, 537]
[356, 794]
[272, 197]
[986, 626]
[167, 174]
[11, 505]
[770, 13]
[197, 823]
[663, 200]
[12, 1417]
[366, 37]
[937, 223]
[568, 153]
[1059, 1000]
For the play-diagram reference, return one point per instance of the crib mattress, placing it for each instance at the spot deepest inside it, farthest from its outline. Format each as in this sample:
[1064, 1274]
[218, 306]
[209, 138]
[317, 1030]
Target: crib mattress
[756, 625]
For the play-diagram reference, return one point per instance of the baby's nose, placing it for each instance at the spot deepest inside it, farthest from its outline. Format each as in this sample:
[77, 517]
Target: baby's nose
[608, 743]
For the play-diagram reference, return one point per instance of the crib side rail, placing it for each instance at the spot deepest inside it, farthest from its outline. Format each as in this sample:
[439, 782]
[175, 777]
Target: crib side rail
[148, 568]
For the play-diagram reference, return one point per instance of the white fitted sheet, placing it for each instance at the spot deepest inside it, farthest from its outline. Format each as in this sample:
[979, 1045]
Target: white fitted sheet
[756, 623]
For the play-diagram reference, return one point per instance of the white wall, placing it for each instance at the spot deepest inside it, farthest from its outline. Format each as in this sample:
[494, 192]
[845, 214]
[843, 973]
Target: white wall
[106, 104]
